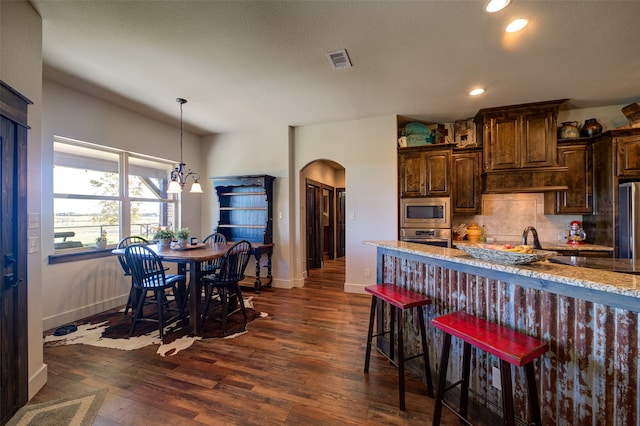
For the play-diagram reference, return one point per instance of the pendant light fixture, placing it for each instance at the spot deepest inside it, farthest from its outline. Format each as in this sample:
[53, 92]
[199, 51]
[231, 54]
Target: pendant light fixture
[180, 174]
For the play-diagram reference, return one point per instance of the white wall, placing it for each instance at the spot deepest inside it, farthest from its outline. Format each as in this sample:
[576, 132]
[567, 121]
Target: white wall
[21, 68]
[264, 152]
[78, 289]
[367, 150]
[610, 117]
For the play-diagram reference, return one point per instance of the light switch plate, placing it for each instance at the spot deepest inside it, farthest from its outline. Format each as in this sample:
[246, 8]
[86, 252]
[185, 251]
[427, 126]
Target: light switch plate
[34, 220]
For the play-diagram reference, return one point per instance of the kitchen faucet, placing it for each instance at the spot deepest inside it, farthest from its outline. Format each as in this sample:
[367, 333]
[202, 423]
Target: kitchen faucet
[536, 241]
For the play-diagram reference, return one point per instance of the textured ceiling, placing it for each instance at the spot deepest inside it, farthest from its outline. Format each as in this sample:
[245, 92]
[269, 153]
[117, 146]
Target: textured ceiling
[244, 65]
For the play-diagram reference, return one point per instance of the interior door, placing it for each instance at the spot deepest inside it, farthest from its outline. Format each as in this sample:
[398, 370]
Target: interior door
[314, 226]
[328, 221]
[13, 253]
[341, 221]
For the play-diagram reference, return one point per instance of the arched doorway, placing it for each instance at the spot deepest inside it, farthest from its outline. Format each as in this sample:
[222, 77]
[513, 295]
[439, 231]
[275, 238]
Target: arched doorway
[323, 221]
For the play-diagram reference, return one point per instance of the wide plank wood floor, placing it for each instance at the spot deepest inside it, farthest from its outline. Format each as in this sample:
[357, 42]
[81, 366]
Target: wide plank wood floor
[302, 365]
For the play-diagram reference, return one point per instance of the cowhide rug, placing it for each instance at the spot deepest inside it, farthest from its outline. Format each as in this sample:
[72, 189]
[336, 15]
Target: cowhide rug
[110, 329]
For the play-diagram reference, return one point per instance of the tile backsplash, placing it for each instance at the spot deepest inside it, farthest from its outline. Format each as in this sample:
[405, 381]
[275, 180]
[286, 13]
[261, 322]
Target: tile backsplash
[505, 216]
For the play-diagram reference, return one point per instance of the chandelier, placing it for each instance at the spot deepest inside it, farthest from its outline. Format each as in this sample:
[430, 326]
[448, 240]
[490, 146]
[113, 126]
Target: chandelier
[180, 174]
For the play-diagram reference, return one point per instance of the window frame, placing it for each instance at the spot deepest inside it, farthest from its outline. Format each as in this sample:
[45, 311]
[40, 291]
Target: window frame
[125, 200]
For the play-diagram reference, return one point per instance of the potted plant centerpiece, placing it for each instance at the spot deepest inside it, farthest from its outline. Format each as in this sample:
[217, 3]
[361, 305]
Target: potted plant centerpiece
[101, 241]
[183, 237]
[164, 236]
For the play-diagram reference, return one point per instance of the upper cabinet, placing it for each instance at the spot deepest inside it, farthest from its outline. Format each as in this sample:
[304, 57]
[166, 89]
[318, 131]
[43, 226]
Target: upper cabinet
[576, 156]
[466, 183]
[424, 171]
[628, 153]
[520, 147]
[519, 136]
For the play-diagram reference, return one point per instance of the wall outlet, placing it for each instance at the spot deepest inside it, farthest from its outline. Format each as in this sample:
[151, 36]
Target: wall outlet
[496, 382]
[367, 272]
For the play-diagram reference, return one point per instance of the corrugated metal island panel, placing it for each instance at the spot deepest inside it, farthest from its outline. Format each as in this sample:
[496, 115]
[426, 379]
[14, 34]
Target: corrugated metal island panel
[588, 377]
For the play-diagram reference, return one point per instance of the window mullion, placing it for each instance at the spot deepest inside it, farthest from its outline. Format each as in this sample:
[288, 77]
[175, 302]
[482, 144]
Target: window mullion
[125, 205]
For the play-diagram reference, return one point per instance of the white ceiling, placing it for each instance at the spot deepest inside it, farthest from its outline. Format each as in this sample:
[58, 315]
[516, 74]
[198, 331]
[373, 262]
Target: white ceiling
[244, 65]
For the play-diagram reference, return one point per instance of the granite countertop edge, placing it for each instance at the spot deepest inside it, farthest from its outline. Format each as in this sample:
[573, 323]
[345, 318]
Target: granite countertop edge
[612, 282]
[558, 246]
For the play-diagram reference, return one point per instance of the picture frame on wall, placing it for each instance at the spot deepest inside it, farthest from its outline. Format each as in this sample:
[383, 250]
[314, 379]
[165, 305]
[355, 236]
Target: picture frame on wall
[464, 132]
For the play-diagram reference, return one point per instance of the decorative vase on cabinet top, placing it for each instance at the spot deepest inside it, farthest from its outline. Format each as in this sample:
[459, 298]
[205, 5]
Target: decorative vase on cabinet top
[590, 128]
[569, 130]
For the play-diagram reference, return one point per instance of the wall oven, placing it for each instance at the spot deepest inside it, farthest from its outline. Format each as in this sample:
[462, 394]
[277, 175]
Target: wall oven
[440, 237]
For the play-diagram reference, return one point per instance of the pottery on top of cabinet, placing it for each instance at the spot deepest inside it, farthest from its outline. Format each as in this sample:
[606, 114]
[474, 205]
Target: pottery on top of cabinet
[590, 128]
[568, 130]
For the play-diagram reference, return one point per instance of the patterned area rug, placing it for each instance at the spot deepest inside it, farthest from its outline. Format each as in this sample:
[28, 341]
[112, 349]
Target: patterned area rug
[80, 410]
[110, 329]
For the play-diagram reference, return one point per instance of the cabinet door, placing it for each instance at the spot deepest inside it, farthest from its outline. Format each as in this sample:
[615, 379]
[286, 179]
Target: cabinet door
[437, 176]
[412, 167]
[504, 141]
[466, 183]
[577, 199]
[628, 156]
[538, 140]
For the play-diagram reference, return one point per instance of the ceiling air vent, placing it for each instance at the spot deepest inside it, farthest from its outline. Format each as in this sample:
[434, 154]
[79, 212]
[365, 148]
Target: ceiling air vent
[339, 59]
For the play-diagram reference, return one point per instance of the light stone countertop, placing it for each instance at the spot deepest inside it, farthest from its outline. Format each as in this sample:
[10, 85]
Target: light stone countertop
[589, 279]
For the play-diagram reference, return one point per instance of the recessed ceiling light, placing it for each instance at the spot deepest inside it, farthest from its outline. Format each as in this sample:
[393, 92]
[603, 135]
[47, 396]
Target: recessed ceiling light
[516, 25]
[495, 5]
[476, 92]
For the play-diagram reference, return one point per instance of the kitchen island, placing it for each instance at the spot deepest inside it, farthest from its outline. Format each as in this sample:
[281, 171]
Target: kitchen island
[588, 317]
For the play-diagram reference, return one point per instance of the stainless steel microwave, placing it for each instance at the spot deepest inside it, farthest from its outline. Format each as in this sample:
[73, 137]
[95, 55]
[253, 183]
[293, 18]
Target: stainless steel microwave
[425, 212]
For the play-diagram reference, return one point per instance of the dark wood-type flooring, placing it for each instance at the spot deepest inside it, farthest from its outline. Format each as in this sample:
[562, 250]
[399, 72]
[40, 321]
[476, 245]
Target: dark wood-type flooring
[302, 365]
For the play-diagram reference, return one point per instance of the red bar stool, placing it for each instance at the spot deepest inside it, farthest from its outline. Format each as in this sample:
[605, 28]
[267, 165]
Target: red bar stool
[399, 299]
[507, 344]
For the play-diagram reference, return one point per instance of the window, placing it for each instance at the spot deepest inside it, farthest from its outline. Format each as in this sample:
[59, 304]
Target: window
[99, 190]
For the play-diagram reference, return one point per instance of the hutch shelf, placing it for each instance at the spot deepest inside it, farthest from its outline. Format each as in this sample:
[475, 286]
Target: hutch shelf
[246, 213]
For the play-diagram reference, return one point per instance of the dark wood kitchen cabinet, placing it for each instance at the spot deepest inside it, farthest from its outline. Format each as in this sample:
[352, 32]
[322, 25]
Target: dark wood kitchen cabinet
[614, 162]
[628, 152]
[519, 136]
[576, 199]
[520, 147]
[466, 181]
[424, 171]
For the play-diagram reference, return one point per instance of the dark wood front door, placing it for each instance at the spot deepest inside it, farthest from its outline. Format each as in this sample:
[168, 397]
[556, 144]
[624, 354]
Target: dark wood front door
[13, 252]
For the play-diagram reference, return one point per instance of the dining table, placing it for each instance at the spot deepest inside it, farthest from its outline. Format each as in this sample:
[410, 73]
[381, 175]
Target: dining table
[191, 256]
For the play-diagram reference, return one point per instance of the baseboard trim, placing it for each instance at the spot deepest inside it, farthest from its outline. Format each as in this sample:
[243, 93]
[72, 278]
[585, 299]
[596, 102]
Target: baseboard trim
[357, 288]
[82, 312]
[38, 380]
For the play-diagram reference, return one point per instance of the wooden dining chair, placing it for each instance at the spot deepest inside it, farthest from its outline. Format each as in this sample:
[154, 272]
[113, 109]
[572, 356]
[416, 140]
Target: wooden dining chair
[210, 266]
[149, 276]
[226, 282]
[123, 244]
